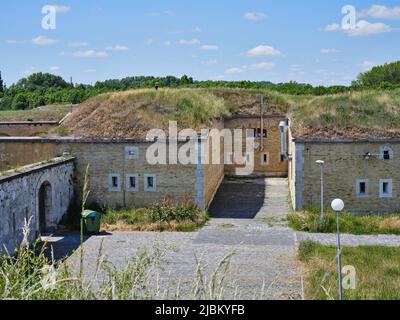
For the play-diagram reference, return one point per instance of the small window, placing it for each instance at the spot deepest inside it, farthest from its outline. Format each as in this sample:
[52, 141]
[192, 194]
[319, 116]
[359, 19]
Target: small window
[386, 153]
[386, 188]
[259, 133]
[132, 183]
[150, 183]
[264, 159]
[114, 183]
[362, 188]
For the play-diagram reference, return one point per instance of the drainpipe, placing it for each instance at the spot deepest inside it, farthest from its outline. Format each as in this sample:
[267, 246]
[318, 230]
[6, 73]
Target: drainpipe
[262, 124]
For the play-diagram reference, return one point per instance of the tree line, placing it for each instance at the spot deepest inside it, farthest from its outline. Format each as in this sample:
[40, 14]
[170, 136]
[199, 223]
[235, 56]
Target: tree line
[43, 88]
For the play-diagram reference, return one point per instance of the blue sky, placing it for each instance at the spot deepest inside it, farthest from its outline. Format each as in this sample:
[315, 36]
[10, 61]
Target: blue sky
[219, 40]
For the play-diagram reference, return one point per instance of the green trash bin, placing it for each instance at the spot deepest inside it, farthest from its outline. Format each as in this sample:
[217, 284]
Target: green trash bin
[92, 221]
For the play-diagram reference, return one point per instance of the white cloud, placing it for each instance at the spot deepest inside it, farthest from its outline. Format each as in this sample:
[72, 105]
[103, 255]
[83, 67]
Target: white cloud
[209, 63]
[263, 50]
[149, 42]
[209, 47]
[170, 13]
[167, 43]
[381, 12]
[87, 54]
[262, 66]
[117, 48]
[54, 68]
[62, 9]
[332, 27]
[257, 66]
[254, 16]
[44, 41]
[78, 44]
[15, 41]
[329, 50]
[234, 70]
[192, 42]
[362, 28]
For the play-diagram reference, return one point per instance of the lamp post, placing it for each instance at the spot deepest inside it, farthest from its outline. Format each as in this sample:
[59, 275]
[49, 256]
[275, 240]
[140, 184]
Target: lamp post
[338, 206]
[321, 164]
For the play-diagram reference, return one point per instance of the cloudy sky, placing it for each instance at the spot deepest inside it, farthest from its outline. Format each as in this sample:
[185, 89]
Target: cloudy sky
[279, 41]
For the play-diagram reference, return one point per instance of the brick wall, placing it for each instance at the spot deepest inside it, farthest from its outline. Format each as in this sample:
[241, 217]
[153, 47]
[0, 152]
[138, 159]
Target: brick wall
[344, 165]
[271, 145]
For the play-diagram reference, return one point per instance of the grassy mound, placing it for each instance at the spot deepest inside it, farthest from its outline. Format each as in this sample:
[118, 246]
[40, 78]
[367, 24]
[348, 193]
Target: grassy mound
[133, 113]
[357, 114]
[47, 113]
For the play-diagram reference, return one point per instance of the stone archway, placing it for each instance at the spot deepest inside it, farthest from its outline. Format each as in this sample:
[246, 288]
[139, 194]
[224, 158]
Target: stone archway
[45, 205]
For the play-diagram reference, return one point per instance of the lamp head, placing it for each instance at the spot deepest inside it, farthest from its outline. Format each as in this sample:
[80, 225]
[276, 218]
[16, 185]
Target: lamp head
[320, 162]
[337, 205]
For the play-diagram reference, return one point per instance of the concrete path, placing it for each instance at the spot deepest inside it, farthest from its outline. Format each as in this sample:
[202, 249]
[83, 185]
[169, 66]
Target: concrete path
[264, 264]
[350, 240]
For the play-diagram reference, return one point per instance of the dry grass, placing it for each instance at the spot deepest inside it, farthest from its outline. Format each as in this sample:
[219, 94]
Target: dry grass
[309, 221]
[357, 114]
[47, 113]
[133, 113]
[377, 272]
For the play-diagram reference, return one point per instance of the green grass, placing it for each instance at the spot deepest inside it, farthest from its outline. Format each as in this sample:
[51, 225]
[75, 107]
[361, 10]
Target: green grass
[309, 221]
[377, 272]
[359, 113]
[28, 274]
[47, 113]
[164, 216]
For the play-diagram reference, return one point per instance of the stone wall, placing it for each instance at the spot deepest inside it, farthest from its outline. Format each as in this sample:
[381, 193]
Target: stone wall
[26, 129]
[20, 199]
[108, 158]
[345, 166]
[274, 167]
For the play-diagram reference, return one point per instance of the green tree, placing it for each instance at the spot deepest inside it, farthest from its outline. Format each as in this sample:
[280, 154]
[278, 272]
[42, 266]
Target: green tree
[20, 102]
[1, 84]
[380, 76]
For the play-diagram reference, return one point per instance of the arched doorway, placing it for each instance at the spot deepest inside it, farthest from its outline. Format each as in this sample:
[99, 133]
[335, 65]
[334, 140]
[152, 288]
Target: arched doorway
[45, 204]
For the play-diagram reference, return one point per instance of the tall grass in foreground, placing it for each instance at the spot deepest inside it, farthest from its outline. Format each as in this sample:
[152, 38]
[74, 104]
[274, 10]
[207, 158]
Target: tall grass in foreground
[377, 272]
[30, 275]
[309, 221]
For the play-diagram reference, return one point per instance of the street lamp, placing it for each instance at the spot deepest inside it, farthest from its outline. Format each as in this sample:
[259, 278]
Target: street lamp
[321, 164]
[338, 206]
